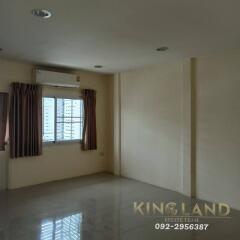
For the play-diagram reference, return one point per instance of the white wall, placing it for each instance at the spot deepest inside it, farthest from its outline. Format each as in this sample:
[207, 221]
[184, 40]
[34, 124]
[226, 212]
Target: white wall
[218, 128]
[176, 114]
[63, 160]
[151, 101]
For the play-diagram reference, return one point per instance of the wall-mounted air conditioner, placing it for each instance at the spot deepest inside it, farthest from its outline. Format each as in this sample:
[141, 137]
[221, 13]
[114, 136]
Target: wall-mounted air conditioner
[58, 79]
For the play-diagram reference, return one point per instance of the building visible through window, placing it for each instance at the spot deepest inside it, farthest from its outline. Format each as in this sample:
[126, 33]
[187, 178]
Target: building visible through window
[62, 119]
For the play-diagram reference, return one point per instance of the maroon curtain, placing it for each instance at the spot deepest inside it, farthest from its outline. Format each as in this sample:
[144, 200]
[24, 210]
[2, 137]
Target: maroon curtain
[89, 128]
[3, 119]
[25, 120]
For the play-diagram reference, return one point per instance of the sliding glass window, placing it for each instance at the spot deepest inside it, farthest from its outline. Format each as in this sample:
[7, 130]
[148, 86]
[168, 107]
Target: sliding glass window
[62, 119]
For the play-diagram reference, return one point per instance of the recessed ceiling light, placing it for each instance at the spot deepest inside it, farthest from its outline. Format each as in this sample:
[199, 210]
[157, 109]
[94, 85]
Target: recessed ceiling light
[1, 49]
[42, 13]
[162, 49]
[98, 66]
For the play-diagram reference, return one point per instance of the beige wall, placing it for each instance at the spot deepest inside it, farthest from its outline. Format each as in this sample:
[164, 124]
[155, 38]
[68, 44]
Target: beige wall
[110, 127]
[117, 124]
[152, 128]
[176, 115]
[151, 124]
[61, 160]
[218, 128]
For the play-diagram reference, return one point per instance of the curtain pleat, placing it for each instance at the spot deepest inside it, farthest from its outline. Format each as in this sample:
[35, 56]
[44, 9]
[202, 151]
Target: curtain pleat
[89, 128]
[3, 119]
[25, 120]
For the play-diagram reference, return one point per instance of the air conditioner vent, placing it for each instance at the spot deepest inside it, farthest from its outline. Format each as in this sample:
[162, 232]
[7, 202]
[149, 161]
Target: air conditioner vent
[58, 79]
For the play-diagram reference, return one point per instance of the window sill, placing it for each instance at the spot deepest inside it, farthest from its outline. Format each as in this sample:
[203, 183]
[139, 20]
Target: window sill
[61, 143]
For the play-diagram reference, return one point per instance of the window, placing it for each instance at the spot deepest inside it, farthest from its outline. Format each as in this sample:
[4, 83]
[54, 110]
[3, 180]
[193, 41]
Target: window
[62, 119]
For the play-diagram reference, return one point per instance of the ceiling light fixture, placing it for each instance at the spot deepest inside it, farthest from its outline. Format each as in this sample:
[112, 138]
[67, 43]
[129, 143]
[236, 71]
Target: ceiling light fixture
[98, 66]
[162, 49]
[42, 13]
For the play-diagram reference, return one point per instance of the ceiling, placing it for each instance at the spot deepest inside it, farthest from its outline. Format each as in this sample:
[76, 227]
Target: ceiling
[118, 34]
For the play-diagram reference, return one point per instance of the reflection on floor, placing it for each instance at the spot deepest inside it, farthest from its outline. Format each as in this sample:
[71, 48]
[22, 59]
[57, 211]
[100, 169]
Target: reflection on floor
[97, 207]
[67, 228]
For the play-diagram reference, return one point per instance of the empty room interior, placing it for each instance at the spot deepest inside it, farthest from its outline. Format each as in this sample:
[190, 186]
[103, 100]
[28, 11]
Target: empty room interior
[119, 120]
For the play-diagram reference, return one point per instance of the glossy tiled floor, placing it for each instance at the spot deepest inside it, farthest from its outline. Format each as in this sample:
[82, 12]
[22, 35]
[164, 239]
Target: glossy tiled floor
[95, 207]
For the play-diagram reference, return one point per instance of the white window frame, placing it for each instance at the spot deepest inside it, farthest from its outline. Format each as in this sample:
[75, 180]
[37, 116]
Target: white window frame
[55, 122]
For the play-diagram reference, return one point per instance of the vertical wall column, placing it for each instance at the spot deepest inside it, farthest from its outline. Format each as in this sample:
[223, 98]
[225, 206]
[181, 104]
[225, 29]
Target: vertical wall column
[188, 161]
[193, 127]
[117, 124]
